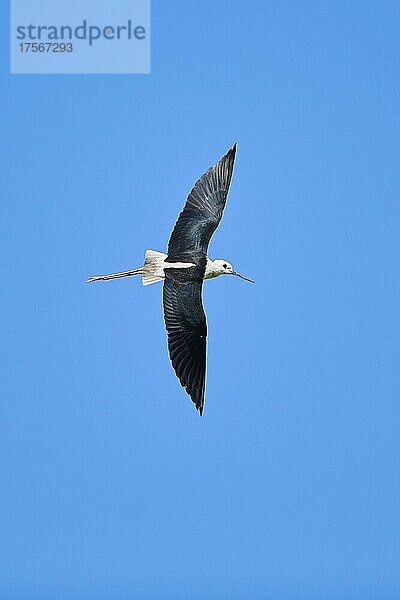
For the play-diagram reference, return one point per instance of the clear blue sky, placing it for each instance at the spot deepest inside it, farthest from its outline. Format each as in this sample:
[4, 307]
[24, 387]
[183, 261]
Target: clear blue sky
[112, 487]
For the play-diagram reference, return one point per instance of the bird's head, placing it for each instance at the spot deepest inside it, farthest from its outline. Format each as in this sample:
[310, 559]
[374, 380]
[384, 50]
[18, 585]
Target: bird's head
[223, 267]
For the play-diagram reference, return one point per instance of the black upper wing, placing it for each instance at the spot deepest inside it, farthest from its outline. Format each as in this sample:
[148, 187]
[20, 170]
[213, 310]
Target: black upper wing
[187, 328]
[203, 209]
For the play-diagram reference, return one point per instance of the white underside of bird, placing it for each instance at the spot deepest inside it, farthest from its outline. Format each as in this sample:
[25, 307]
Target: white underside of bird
[155, 263]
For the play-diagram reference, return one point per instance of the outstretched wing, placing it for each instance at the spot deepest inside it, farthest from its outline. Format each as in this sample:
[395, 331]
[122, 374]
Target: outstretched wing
[203, 209]
[187, 329]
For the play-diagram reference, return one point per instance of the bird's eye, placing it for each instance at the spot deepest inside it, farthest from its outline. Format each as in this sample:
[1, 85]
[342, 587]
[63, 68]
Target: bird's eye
[225, 266]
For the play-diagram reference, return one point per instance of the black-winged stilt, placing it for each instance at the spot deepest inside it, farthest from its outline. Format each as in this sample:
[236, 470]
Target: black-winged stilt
[183, 269]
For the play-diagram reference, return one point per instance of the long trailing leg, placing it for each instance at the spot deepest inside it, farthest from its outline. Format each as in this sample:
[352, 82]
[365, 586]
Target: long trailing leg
[115, 275]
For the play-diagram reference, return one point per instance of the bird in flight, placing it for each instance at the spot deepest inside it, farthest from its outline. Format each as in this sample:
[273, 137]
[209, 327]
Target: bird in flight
[183, 269]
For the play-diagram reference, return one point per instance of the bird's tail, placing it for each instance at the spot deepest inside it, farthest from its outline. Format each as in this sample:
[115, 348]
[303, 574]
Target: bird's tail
[115, 275]
[153, 268]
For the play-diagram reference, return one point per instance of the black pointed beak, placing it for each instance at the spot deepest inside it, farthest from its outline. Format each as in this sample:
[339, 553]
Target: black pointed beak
[242, 277]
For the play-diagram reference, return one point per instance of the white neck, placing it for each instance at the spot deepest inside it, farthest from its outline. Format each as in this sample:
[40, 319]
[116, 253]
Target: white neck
[211, 270]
